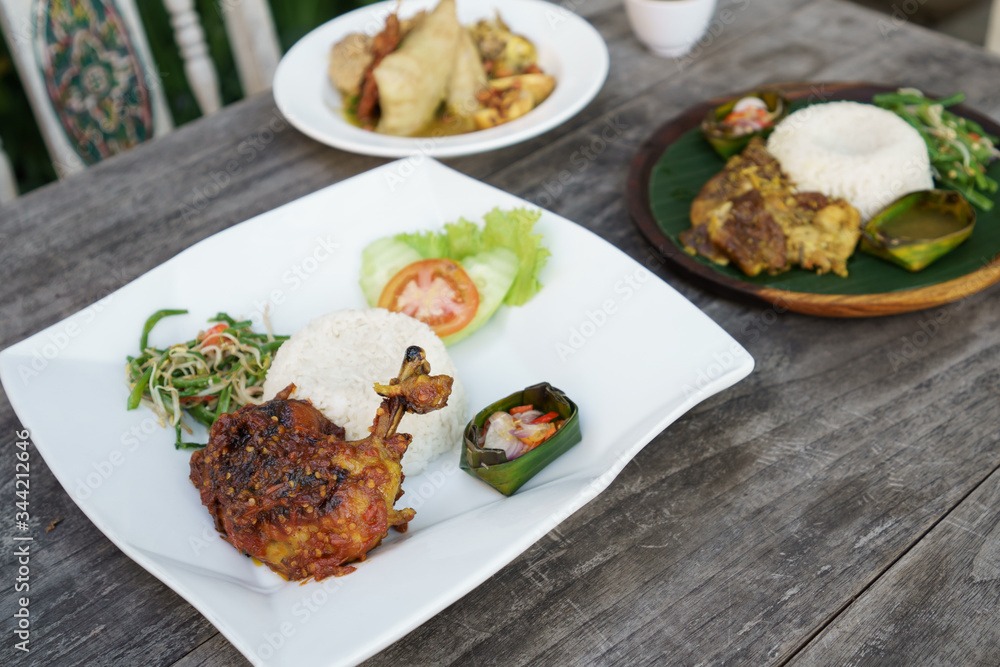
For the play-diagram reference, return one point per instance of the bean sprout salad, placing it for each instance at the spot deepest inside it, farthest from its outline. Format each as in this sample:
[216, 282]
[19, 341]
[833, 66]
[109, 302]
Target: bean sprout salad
[218, 372]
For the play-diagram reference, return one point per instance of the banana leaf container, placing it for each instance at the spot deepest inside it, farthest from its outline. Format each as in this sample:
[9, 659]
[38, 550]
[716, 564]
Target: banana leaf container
[721, 136]
[492, 466]
[884, 236]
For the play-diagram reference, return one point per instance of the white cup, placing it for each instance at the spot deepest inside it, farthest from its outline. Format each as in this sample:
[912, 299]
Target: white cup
[670, 28]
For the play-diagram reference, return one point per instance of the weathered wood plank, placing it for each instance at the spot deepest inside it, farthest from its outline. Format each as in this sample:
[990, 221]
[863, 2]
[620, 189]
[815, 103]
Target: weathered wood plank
[216, 652]
[937, 605]
[846, 434]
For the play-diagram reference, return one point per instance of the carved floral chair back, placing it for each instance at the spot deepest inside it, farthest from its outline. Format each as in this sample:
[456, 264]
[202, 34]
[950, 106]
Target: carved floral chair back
[92, 83]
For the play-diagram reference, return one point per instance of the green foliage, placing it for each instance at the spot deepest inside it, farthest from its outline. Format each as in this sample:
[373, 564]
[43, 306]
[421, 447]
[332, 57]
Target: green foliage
[170, 66]
[294, 19]
[20, 135]
[21, 139]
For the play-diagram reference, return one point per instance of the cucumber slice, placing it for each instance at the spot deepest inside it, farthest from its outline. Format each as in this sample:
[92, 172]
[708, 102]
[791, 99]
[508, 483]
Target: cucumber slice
[380, 261]
[493, 272]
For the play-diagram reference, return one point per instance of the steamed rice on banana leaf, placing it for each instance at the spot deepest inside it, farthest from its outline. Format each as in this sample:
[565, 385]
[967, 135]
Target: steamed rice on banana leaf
[430, 76]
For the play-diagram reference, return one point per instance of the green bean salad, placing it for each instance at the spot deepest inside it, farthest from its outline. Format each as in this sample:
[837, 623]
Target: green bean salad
[959, 148]
[218, 372]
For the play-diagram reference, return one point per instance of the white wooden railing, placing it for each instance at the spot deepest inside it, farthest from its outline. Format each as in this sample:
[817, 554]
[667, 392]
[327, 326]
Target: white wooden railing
[254, 42]
[198, 67]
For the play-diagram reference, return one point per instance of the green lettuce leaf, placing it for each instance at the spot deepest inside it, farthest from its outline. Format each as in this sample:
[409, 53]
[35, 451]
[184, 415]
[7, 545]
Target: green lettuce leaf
[511, 229]
[503, 258]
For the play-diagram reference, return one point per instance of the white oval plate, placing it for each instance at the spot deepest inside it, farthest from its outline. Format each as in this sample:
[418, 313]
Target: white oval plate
[569, 48]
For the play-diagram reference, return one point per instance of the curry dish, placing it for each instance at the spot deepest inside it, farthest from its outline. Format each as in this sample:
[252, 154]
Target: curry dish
[750, 214]
[428, 75]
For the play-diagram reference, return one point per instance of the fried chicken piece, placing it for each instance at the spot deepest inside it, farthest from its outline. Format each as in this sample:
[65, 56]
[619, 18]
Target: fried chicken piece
[749, 236]
[749, 213]
[829, 241]
[696, 242]
[284, 487]
[753, 169]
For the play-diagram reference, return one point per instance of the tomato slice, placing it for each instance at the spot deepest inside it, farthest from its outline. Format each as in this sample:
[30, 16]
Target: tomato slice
[212, 336]
[546, 418]
[435, 291]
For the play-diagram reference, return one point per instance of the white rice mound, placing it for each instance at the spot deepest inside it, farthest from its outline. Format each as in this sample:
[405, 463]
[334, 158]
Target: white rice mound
[335, 360]
[858, 152]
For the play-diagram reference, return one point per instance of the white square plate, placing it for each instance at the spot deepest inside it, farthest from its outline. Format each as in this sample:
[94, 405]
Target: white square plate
[602, 327]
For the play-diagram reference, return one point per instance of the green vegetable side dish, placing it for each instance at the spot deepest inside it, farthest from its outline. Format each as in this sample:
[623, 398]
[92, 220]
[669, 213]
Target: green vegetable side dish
[503, 257]
[218, 372]
[491, 465]
[959, 148]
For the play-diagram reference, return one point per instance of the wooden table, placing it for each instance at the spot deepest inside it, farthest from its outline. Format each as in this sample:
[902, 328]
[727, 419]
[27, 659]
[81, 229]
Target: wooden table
[838, 506]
